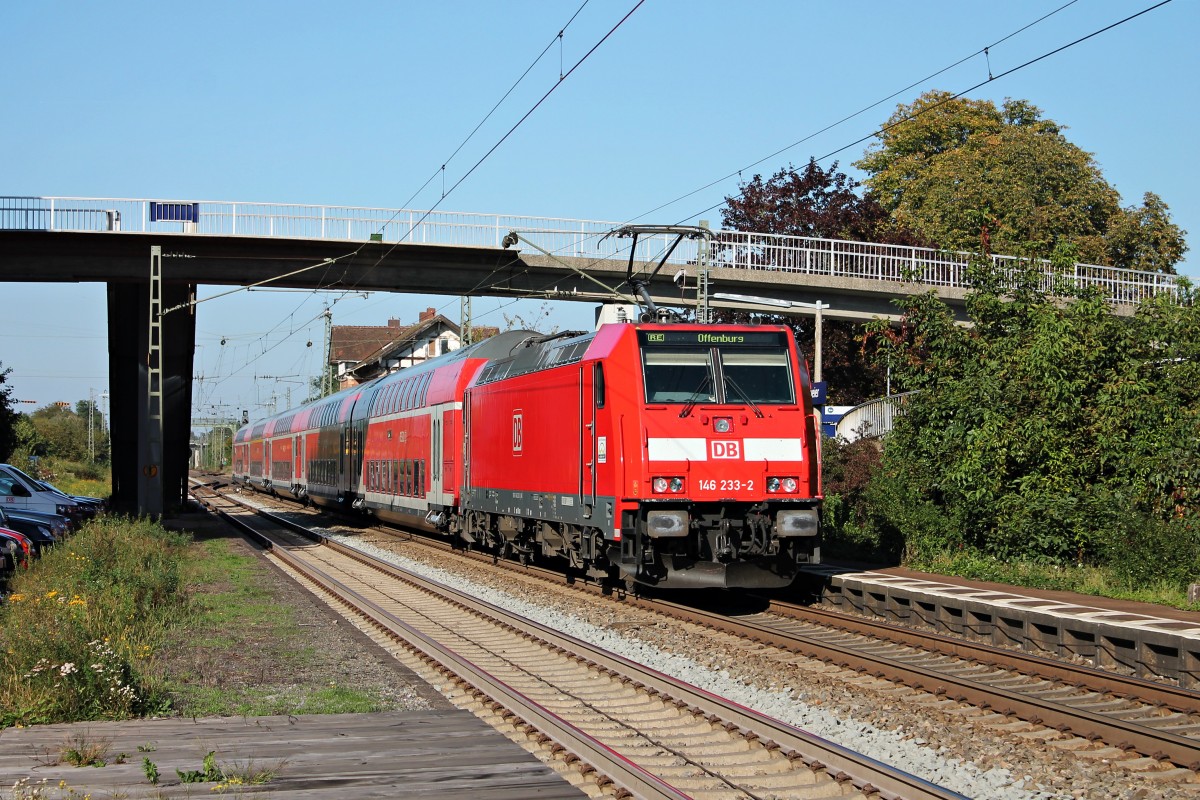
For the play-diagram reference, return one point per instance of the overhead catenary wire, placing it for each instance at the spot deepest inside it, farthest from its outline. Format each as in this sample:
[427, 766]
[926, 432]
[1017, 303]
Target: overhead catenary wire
[441, 170]
[990, 78]
[984, 50]
[825, 129]
[510, 131]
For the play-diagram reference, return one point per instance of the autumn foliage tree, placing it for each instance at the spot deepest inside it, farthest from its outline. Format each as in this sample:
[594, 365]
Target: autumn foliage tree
[827, 204]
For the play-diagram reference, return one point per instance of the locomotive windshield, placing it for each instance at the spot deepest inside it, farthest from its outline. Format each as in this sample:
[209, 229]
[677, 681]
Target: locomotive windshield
[709, 367]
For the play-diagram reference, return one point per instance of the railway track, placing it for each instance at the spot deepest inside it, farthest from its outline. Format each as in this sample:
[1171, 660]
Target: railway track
[646, 734]
[1087, 708]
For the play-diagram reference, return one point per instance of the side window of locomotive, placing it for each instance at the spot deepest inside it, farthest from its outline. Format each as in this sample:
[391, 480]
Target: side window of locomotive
[762, 377]
[598, 384]
[678, 375]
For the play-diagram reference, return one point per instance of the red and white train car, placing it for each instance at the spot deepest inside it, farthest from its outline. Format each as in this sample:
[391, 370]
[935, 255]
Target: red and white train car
[671, 455]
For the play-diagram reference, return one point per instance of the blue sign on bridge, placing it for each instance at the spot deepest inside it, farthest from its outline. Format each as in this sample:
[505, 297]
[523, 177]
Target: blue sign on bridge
[174, 212]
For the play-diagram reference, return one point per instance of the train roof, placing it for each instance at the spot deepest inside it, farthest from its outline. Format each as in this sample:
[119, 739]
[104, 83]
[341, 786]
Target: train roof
[333, 408]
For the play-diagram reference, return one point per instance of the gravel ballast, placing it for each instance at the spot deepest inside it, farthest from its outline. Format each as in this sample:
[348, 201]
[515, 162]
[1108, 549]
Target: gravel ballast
[890, 746]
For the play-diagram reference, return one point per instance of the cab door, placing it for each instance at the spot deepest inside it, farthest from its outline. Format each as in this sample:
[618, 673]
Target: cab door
[436, 443]
[587, 439]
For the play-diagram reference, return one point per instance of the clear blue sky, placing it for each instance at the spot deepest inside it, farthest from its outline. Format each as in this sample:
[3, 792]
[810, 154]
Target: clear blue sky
[359, 103]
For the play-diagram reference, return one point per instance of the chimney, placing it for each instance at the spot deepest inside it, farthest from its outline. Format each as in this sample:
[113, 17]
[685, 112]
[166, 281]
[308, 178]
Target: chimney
[393, 323]
[427, 315]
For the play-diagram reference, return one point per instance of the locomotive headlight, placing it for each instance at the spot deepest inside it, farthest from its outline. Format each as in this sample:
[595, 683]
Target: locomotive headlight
[783, 485]
[722, 424]
[664, 485]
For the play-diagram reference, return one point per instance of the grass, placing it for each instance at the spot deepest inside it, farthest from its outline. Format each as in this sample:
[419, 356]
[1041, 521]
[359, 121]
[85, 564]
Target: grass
[241, 651]
[128, 619]
[80, 626]
[73, 477]
[81, 750]
[254, 701]
[1093, 581]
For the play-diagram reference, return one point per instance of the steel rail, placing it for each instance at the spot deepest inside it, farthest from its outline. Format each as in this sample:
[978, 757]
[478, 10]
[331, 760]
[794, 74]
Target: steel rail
[1152, 692]
[1124, 734]
[623, 773]
[865, 773]
[1127, 735]
[868, 775]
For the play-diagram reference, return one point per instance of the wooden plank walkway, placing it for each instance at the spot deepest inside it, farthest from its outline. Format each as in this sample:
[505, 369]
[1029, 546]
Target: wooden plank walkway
[445, 753]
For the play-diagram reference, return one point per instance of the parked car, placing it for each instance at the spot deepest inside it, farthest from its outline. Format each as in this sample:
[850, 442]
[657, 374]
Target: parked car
[59, 525]
[20, 492]
[16, 547]
[39, 534]
[90, 506]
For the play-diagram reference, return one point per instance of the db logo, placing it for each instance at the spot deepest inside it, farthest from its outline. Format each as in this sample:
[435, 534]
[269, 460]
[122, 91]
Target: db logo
[725, 449]
[518, 431]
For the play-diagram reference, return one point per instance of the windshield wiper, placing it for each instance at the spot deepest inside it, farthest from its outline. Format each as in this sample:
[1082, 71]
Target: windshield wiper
[695, 398]
[733, 384]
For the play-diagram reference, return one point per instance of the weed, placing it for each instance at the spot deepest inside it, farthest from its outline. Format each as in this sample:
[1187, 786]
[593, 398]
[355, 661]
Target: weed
[77, 642]
[209, 773]
[150, 769]
[81, 751]
[25, 789]
[148, 747]
[250, 773]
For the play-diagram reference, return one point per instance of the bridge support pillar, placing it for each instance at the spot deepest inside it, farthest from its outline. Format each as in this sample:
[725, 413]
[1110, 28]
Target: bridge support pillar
[129, 415]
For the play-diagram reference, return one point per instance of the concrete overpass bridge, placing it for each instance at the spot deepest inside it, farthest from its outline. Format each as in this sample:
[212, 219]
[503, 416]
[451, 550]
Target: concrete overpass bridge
[370, 249]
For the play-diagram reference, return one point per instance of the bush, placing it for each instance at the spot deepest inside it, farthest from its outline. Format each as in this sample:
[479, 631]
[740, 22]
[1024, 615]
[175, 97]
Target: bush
[846, 470]
[1141, 551]
[78, 628]
[1052, 432]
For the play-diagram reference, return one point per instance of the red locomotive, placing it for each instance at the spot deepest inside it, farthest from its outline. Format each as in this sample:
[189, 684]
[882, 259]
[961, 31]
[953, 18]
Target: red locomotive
[670, 455]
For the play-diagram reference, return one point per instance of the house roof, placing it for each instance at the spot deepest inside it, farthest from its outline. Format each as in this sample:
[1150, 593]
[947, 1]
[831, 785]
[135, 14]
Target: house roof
[352, 343]
[408, 336]
[364, 345]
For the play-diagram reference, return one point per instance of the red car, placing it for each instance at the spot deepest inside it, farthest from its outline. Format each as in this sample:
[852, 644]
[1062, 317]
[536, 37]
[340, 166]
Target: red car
[16, 548]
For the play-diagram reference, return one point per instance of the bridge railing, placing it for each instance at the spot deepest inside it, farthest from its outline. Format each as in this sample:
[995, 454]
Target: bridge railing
[562, 236]
[873, 418]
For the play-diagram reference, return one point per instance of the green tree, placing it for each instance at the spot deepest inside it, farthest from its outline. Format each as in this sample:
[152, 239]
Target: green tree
[8, 417]
[1052, 431]
[63, 432]
[28, 442]
[970, 176]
